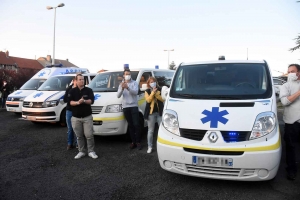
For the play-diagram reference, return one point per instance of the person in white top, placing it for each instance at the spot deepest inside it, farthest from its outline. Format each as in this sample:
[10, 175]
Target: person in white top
[290, 99]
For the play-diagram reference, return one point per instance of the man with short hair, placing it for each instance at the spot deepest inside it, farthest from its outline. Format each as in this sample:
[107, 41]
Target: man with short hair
[72, 141]
[290, 99]
[129, 89]
[81, 98]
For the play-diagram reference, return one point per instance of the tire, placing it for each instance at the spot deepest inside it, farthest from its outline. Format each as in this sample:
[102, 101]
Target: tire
[62, 120]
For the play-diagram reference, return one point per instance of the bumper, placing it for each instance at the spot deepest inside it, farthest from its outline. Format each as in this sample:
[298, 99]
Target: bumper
[254, 164]
[110, 125]
[40, 115]
[14, 106]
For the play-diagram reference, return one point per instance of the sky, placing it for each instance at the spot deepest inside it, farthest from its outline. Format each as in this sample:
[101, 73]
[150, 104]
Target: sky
[98, 34]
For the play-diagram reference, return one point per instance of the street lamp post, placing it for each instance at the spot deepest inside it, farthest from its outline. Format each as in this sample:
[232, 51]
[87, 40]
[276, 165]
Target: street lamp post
[169, 55]
[49, 8]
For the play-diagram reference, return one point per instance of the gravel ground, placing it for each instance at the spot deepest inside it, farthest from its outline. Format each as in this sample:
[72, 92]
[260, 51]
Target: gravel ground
[36, 165]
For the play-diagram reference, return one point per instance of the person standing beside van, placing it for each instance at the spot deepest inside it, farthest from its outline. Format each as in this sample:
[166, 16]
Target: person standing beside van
[72, 140]
[128, 88]
[5, 93]
[153, 110]
[289, 96]
[81, 98]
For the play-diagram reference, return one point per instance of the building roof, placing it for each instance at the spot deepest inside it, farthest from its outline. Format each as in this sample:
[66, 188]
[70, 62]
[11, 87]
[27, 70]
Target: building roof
[22, 63]
[65, 63]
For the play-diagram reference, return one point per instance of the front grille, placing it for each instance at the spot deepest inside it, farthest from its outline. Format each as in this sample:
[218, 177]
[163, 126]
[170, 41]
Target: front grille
[38, 113]
[235, 136]
[208, 152]
[220, 171]
[192, 134]
[27, 104]
[10, 105]
[96, 109]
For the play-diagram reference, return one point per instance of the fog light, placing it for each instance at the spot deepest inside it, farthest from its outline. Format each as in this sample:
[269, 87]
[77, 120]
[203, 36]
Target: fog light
[168, 164]
[263, 173]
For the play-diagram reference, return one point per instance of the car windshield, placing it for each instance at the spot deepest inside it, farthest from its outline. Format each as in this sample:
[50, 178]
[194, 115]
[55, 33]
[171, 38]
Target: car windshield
[222, 81]
[164, 78]
[33, 84]
[109, 81]
[56, 83]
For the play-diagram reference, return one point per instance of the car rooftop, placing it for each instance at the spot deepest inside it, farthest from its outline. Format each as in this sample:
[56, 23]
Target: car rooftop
[223, 61]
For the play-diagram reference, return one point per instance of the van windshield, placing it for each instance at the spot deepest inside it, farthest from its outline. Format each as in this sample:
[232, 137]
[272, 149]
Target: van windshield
[56, 83]
[222, 81]
[109, 81]
[33, 84]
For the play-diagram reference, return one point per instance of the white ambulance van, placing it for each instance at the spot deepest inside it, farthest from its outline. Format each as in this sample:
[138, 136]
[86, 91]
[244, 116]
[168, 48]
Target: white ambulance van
[107, 111]
[46, 104]
[14, 101]
[220, 122]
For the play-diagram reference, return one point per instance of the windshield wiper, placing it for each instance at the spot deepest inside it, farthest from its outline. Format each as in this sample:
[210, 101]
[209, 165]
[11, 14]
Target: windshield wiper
[187, 95]
[223, 97]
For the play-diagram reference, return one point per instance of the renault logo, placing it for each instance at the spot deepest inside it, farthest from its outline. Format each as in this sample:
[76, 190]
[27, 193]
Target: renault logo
[213, 137]
[30, 104]
[12, 99]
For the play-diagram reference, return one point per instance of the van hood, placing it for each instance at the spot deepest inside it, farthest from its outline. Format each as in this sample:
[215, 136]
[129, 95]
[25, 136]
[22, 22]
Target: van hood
[218, 114]
[106, 98]
[21, 93]
[41, 96]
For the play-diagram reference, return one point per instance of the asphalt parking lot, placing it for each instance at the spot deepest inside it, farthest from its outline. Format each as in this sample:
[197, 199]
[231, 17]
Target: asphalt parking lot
[36, 165]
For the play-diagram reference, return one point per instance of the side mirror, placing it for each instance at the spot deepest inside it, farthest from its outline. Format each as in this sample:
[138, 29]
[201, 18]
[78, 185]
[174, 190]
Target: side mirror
[144, 87]
[164, 92]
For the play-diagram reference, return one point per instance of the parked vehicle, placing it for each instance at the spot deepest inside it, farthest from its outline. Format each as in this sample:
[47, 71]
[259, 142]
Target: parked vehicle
[278, 82]
[15, 100]
[46, 104]
[220, 122]
[107, 110]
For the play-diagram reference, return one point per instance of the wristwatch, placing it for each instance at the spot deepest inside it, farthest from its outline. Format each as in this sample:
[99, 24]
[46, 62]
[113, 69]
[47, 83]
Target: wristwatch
[83, 101]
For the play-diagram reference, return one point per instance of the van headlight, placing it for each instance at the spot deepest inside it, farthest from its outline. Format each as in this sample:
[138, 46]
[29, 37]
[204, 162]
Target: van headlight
[52, 103]
[114, 108]
[264, 124]
[170, 121]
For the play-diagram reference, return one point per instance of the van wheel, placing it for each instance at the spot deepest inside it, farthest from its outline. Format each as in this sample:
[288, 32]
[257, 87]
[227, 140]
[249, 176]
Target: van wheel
[63, 121]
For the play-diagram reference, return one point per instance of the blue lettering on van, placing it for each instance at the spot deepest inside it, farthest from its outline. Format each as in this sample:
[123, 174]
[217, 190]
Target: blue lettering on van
[97, 96]
[42, 74]
[18, 92]
[38, 95]
[214, 117]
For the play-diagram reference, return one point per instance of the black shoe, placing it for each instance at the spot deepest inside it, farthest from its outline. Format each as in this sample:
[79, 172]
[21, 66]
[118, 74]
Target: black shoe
[132, 146]
[291, 176]
[69, 147]
[139, 146]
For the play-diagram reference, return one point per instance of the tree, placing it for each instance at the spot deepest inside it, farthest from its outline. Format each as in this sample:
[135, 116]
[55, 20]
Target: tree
[297, 43]
[172, 66]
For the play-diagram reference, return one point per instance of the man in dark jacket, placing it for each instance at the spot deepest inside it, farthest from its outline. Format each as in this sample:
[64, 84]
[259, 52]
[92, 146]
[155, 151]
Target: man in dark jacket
[72, 141]
[5, 93]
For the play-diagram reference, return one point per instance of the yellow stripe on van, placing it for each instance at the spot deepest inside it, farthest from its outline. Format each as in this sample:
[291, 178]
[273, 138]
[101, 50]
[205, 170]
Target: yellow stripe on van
[141, 101]
[264, 148]
[109, 118]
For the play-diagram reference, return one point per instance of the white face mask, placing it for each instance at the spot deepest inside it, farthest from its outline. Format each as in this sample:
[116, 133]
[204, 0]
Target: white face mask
[127, 77]
[292, 77]
[153, 85]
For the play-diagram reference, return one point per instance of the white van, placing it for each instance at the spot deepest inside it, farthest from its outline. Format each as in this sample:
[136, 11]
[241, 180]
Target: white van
[107, 111]
[220, 121]
[46, 104]
[14, 101]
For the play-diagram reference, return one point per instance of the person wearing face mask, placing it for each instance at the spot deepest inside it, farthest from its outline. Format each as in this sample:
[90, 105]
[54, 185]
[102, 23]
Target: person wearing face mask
[290, 99]
[153, 110]
[128, 88]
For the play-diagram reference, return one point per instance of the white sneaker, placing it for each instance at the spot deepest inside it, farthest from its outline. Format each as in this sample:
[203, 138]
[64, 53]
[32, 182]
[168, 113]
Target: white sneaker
[79, 155]
[149, 150]
[93, 155]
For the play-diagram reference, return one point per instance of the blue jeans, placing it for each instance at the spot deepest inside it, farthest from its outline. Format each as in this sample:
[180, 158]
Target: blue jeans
[71, 136]
[154, 117]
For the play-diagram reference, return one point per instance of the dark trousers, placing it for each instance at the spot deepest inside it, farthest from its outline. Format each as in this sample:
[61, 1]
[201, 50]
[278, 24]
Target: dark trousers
[132, 117]
[3, 102]
[291, 136]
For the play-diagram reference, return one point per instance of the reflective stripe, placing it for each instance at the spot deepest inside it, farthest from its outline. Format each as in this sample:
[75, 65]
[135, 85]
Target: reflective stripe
[109, 118]
[247, 149]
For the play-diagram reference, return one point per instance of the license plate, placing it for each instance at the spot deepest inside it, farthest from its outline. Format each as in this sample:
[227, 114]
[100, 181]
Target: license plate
[11, 109]
[31, 118]
[212, 161]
